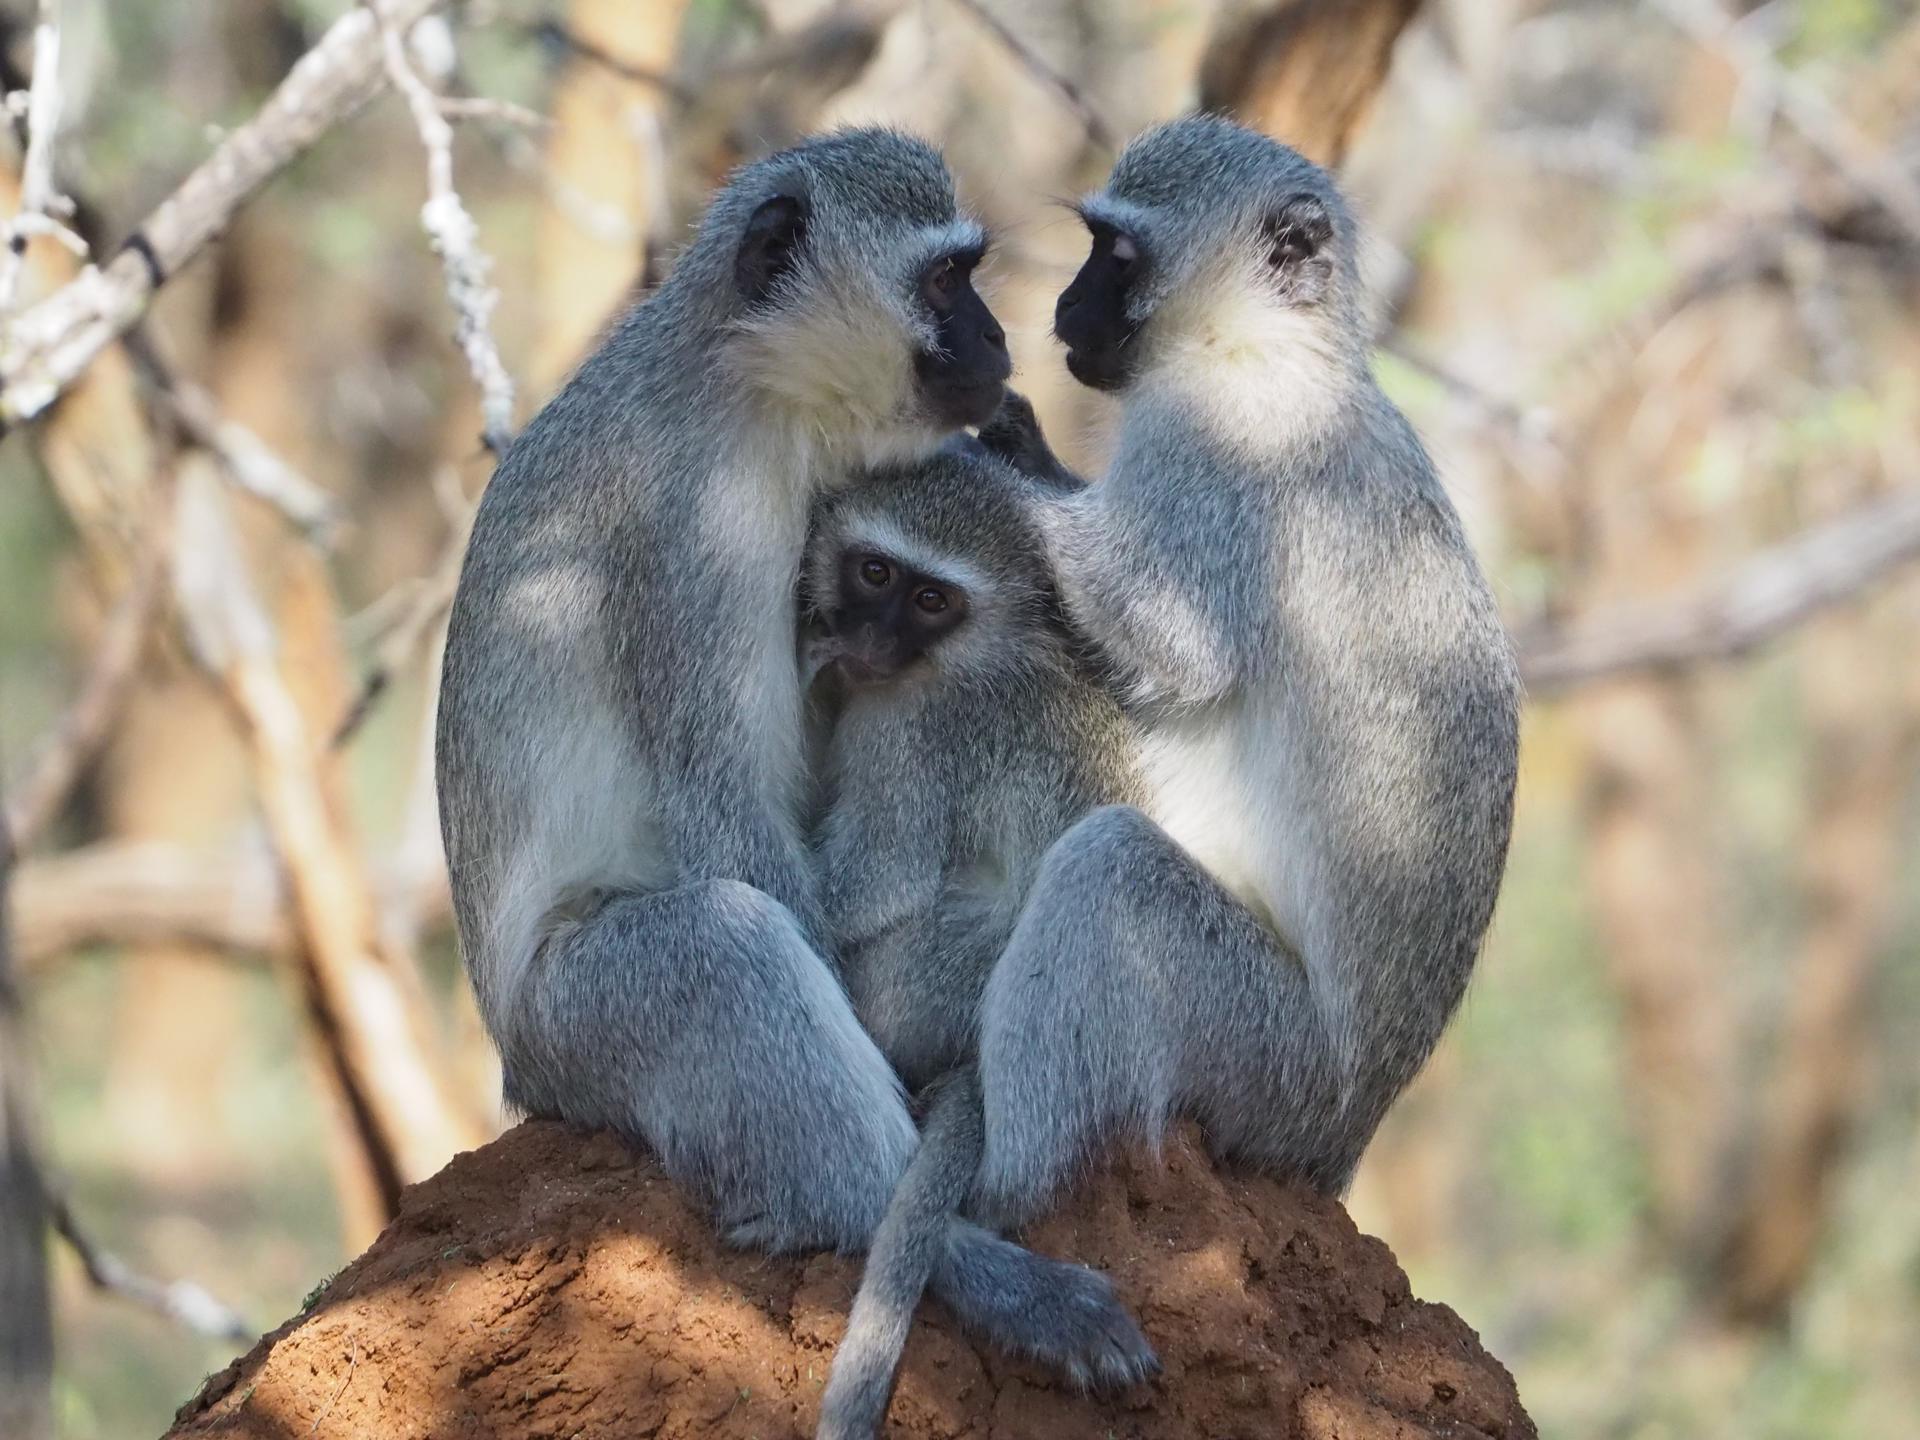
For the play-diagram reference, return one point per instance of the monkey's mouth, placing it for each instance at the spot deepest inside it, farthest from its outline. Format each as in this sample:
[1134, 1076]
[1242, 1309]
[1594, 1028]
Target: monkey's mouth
[864, 672]
[1107, 368]
[956, 403]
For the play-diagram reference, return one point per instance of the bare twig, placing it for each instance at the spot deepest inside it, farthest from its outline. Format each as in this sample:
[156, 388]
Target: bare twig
[40, 202]
[1776, 589]
[50, 344]
[408, 633]
[244, 457]
[253, 466]
[560, 37]
[454, 235]
[1864, 165]
[468, 107]
[181, 1301]
[1091, 120]
[604, 222]
[843, 28]
[64, 755]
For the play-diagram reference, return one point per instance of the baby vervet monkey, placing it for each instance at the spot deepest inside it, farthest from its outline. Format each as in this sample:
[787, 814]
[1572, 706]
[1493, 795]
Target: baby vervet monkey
[620, 753]
[969, 730]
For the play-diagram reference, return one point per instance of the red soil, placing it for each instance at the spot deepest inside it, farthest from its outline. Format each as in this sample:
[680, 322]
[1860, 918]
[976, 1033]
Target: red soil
[556, 1285]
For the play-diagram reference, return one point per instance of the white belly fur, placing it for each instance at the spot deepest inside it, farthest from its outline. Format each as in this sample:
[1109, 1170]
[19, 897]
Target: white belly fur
[1221, 785]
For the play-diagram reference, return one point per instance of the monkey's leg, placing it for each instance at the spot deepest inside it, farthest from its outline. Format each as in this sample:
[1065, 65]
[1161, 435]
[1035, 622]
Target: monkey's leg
[699, 1021]
[1133, 985]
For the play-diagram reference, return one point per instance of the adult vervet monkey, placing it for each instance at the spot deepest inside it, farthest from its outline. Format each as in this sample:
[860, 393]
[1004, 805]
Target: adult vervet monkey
[620, 731]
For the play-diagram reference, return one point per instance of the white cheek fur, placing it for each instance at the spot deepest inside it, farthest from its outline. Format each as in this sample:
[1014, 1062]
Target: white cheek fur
[1260, 374]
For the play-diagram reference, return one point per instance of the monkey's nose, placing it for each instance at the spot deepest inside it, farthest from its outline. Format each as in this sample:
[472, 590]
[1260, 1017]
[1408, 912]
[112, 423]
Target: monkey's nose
[994, 335]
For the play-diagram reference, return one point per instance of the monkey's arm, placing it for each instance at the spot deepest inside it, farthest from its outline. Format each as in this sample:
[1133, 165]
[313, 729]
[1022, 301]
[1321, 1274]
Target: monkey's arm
[1014, 435]
[1168, 599]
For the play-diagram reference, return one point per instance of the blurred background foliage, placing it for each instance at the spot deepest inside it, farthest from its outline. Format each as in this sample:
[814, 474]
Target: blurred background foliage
[1654, 320]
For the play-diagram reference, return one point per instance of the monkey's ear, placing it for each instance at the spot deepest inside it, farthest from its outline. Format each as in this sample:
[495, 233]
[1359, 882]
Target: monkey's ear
[1297, 232]
[770, 247]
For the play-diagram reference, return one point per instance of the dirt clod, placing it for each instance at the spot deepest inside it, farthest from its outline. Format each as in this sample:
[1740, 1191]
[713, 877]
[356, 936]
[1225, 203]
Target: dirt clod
[556, 1285]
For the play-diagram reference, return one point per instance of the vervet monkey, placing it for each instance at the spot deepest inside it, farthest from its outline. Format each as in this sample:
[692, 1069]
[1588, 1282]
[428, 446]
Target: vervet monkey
[620, 738]
[969, 731]
[1327, 702]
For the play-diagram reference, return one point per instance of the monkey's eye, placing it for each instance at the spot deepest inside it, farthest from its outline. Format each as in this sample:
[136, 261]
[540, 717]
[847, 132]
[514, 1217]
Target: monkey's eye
[1125, 249]
[943, 281]
[931, 600]
[876, 573]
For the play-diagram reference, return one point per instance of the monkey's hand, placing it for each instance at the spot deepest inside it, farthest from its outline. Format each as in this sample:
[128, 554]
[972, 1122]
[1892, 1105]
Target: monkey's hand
[1014, 435]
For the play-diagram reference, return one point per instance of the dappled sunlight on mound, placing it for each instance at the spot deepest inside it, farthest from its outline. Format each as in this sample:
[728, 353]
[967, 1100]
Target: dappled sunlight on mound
[554, 1284]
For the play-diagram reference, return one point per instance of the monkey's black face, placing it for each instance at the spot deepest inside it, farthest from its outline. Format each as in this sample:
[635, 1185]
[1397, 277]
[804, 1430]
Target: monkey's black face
[1091, 316]
[886, 617]
[962, 378]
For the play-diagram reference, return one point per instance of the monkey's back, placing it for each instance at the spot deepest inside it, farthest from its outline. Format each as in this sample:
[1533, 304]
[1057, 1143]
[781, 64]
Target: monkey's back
[1400, 670]
[604, 631]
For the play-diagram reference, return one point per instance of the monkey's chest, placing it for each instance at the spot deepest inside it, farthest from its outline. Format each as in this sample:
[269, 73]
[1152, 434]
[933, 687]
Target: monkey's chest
[1222, 787]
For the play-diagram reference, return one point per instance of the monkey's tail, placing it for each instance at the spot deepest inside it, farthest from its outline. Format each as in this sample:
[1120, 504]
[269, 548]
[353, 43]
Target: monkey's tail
[906, 1249]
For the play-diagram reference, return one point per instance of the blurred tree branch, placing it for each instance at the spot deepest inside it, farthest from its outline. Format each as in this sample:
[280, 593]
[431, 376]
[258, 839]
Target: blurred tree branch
[1304, 71]
[181, 1301]
[1864, 165]
[232, 904]
[408, 635]
[553, 33]
[63, 757]
[51, 343]
[134, 893]
[365, 1013]
[245, 459]
[455, 236]
[1764, 1232]
[1776, 589]
[42, 207]
[1077, 100]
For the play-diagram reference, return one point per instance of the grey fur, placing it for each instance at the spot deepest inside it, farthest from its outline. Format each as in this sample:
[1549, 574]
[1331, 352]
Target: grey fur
[1319, 699]
[901, 1259]
[1328, 708]
[619, 745]
[943, 790]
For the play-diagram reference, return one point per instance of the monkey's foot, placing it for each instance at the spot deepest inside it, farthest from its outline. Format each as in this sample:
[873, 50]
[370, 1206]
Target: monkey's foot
[1093, 1340]
[771, 1236]
[1065, 1316]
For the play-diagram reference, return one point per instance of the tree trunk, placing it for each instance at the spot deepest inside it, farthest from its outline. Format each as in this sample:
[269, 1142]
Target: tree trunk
[1304, 71]
[608, 151]
[26, 1321]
